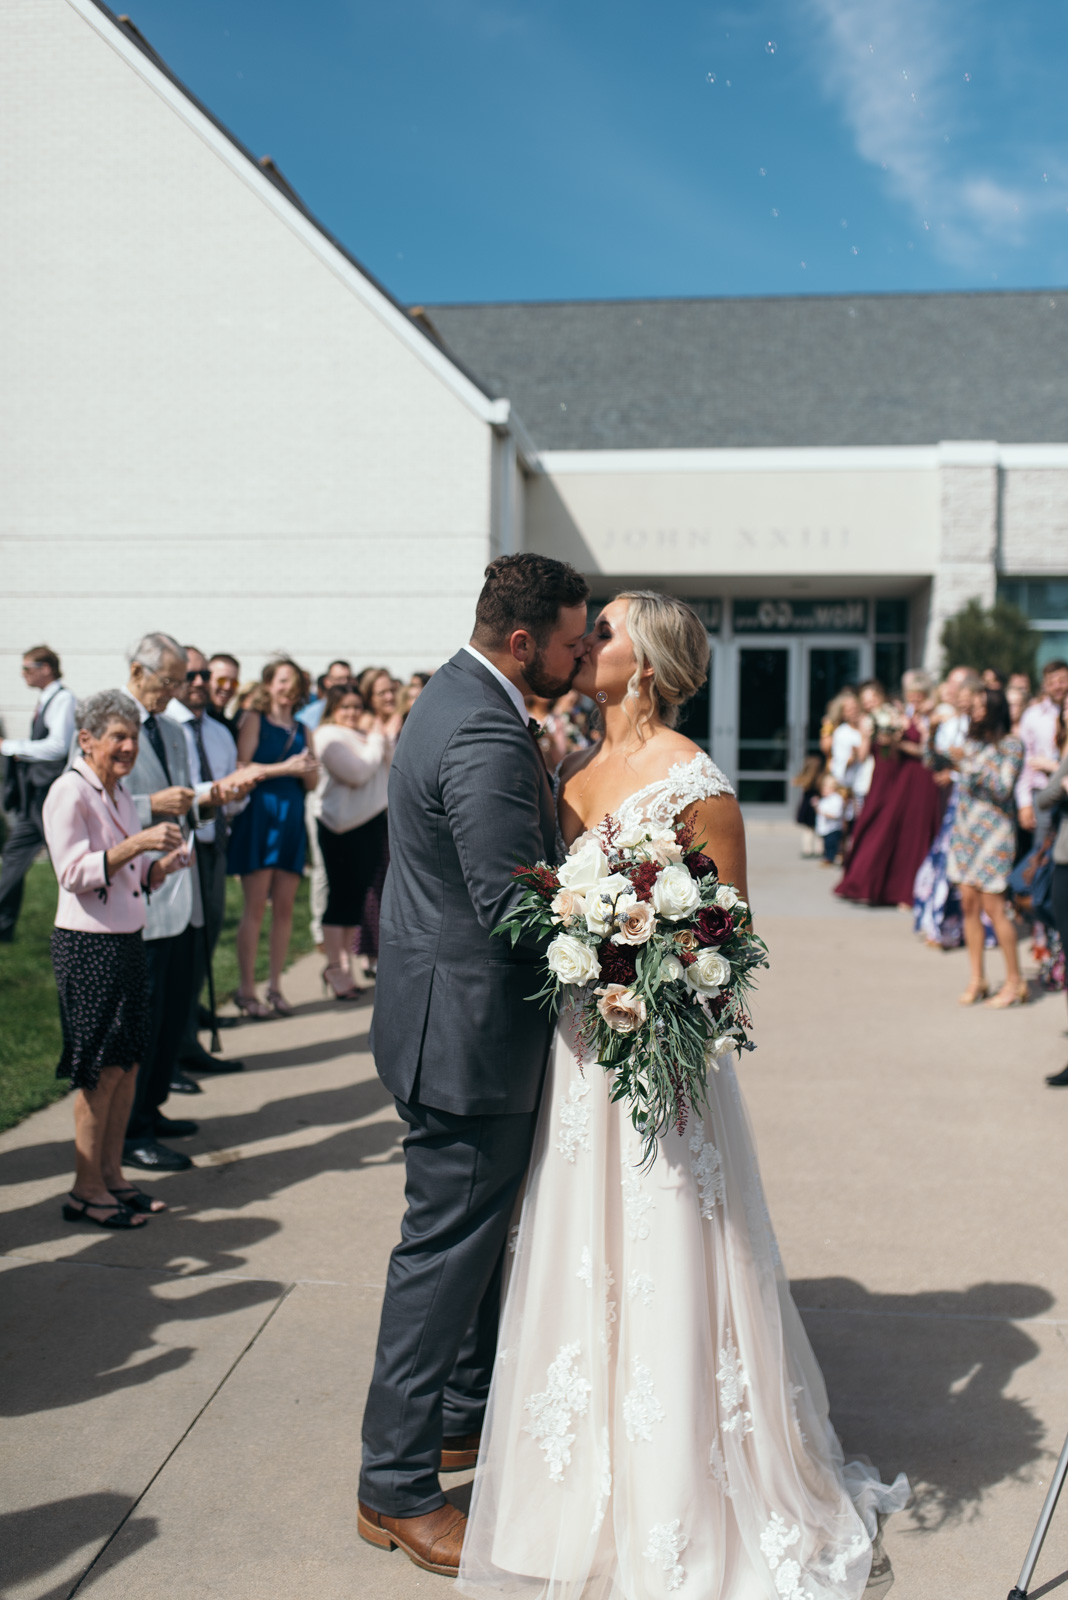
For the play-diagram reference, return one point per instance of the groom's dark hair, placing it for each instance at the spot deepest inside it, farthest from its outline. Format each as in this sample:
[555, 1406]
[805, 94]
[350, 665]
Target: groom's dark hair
[525, 591]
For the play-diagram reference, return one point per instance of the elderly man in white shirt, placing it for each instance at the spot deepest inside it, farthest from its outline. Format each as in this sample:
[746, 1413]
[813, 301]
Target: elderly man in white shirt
[34, 764]
[220, 795]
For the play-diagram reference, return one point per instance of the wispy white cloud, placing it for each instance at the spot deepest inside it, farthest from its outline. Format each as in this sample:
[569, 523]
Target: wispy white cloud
[899, 75]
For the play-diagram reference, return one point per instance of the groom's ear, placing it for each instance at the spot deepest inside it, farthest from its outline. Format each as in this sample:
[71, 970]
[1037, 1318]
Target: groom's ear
[521, 646]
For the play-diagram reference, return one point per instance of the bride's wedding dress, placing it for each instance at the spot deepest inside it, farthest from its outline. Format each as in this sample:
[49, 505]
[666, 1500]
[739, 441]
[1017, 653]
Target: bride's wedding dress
[657, 1421]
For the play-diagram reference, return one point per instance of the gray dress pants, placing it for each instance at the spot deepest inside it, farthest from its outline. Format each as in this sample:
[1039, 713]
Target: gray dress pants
[437, 1340]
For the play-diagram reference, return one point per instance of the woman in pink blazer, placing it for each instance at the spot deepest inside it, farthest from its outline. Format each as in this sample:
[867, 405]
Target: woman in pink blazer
[100, 855]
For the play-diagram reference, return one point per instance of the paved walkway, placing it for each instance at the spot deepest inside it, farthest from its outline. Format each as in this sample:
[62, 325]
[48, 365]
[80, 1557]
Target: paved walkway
[181, 1408]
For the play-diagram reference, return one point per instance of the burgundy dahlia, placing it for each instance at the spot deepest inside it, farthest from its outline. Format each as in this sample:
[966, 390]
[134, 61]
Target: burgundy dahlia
[713, 925]
[699, 864]
[617, 963]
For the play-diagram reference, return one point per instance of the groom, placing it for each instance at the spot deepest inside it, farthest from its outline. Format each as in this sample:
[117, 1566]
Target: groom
[456, 1039]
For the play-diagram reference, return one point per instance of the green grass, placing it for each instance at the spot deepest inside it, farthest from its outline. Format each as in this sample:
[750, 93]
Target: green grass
[30, 1038]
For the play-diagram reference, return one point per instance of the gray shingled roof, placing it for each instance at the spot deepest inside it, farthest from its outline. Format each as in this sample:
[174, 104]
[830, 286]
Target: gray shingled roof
[688, 374]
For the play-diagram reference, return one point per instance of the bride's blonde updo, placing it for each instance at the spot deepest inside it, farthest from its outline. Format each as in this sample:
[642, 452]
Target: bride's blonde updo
[668, 636]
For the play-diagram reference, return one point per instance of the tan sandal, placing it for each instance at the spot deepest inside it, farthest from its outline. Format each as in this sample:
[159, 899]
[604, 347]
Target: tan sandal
[1018, 997]
[252, 1006]
[973, 993]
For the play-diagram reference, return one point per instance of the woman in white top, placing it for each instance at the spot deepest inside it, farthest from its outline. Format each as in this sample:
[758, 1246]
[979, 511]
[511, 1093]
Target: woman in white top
[351, 803]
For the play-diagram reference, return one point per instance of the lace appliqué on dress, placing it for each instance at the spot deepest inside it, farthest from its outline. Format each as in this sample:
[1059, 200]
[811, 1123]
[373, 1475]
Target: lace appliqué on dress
[708, 1171]
[661, 803]
[609, 1307]
[665, 1546]
[640, 1283]
[837, 1569]
[733, 1382]
[636, 1203]
[585, 1271]
[774, 1542]
[574, 1122]
[718, 1468]
[641, 1408]
[550, 1411]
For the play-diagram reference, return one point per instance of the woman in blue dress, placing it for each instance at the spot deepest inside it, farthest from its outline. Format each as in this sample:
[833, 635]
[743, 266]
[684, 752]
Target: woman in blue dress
[268, 841]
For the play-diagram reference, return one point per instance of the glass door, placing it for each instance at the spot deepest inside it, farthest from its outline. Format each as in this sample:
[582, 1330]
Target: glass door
[828, 669]
[763, 724]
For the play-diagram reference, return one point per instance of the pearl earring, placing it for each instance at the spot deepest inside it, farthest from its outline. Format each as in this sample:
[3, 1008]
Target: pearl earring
[601, 698]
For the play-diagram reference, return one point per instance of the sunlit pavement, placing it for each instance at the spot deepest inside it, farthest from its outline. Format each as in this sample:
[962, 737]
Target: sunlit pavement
[181, 1407]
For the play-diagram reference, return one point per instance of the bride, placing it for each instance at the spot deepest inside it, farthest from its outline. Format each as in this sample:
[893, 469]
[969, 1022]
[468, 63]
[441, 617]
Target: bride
[657, 1421]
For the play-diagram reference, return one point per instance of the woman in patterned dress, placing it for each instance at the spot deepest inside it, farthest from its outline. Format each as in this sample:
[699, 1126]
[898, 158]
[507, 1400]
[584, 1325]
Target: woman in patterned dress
[657, 1421]
[983, 843]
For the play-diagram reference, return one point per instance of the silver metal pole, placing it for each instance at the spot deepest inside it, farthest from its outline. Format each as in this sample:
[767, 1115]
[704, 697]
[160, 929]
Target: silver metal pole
[1048, 1508]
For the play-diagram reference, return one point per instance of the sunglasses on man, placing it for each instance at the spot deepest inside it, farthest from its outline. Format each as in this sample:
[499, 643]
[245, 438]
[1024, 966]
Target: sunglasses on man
[201, 673]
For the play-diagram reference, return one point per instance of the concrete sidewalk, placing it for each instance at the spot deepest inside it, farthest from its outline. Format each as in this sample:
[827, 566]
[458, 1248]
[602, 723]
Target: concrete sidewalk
[181, 1408]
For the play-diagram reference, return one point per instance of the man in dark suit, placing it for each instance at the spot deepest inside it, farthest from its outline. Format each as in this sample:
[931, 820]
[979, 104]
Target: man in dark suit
[34, 764]
[456, 1040]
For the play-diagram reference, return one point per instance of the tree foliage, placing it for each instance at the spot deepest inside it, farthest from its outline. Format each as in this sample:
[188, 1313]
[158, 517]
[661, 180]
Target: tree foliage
[997, 636]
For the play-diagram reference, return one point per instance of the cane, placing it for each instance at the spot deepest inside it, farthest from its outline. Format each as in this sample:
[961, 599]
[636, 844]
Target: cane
[1046, 1517]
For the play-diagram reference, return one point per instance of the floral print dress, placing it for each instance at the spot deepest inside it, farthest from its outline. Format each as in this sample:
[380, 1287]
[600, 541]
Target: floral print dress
[983, 843]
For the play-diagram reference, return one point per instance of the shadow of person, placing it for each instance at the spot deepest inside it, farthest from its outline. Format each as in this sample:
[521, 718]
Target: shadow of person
[68, 1335]
[253, 1179]
[302, 1055]
[40, 1538]
[918, 1383]
[321, 1108]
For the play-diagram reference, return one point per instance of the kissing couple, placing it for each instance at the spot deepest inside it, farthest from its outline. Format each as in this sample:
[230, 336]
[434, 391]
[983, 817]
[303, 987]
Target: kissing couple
[620, 1358]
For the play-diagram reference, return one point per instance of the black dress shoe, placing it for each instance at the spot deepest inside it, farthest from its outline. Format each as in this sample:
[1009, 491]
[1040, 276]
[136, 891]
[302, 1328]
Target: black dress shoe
[153, 1156]
[204, 1021]
[199, 1060]
[180, 1084]
[175, 1127]
[1059, 1080]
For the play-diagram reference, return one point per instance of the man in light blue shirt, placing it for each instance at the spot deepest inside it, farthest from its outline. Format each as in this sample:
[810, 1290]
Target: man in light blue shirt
[338, 672]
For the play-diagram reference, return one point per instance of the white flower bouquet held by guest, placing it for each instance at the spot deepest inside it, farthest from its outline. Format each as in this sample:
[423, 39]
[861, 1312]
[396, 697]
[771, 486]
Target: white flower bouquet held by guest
[643, 910]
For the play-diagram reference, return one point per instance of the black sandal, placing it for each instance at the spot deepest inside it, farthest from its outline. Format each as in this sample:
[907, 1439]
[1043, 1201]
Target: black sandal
[118, 1217]
[138, 1201]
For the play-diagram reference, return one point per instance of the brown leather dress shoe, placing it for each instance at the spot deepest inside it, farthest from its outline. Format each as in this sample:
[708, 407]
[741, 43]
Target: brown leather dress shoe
[432, 1541]
[460, 1451]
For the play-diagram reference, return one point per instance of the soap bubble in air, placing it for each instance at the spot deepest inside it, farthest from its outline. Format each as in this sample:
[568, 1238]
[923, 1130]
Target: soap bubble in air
[774, 212]
[967, 77]
[770, 48]
[711, 77]
[763, 171]
[905, 75]
[856, 252]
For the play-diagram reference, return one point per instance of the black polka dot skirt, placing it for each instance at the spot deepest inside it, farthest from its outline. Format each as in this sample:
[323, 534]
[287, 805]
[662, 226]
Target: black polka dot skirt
[103, 1002]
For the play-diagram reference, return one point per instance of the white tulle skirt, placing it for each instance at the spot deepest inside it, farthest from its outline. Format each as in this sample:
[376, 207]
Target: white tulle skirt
[657, 1421]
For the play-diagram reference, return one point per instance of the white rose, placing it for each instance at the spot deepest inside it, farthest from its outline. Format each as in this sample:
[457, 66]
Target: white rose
[709, 972]
[567, 906]
[675, 894]
[671, 969]
[726, 897]
[630, 838]
[608, 900]
[716, 1049]
[665, 848]
[572, 961]
[584, 870]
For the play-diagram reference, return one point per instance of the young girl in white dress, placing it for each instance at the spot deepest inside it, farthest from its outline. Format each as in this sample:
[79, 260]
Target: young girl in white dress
[657, 1421]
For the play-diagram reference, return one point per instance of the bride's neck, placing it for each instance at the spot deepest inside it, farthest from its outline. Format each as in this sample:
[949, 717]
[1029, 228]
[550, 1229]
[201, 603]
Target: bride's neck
[628, 729]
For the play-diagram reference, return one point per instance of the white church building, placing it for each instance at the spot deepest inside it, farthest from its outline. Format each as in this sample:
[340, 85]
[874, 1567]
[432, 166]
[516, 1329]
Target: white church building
[216, 422]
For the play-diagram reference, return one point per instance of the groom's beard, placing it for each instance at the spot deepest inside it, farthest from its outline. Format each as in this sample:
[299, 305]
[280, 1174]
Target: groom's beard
[540, 683]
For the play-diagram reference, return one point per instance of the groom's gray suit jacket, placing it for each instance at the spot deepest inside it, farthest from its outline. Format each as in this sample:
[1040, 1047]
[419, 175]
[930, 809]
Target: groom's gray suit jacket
[469, 800]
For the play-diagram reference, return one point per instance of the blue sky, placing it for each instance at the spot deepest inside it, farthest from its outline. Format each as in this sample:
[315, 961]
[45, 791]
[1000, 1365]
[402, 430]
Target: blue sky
[483, 150]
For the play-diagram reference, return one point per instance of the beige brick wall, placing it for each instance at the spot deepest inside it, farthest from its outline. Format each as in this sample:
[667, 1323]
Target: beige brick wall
[1034, 537]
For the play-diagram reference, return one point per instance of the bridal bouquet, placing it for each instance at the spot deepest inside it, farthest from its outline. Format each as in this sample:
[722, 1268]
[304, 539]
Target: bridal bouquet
[655, 954]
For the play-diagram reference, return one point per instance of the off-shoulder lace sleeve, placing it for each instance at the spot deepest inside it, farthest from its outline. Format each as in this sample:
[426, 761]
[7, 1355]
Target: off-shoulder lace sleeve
[663, 802]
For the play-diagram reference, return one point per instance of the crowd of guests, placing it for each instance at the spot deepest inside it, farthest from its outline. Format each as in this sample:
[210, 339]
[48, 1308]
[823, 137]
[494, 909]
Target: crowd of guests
[951, 802]
[147, 799]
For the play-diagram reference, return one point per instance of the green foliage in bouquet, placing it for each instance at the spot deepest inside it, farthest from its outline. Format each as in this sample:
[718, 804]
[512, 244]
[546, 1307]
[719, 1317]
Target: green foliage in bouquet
[657, 957]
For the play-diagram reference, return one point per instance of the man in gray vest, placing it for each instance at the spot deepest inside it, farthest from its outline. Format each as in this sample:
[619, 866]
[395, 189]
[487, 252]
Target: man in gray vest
[457, 1041]
[34, 764]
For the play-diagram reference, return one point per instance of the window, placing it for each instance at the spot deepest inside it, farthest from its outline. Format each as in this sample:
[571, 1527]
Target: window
[891, 643]
[1044, 602]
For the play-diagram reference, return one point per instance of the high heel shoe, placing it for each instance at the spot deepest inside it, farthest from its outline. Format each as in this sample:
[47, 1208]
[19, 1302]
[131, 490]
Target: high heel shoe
[1017, 997]
[252, 1006]
[337, 981]
[973, 993]
[279, 1004]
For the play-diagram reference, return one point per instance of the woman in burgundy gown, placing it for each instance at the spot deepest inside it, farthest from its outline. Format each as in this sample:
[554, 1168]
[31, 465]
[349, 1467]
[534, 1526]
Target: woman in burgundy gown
[903, 809]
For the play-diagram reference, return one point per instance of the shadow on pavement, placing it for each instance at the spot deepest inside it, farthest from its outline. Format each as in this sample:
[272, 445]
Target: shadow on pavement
[34, 1541]
[917, 1382]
